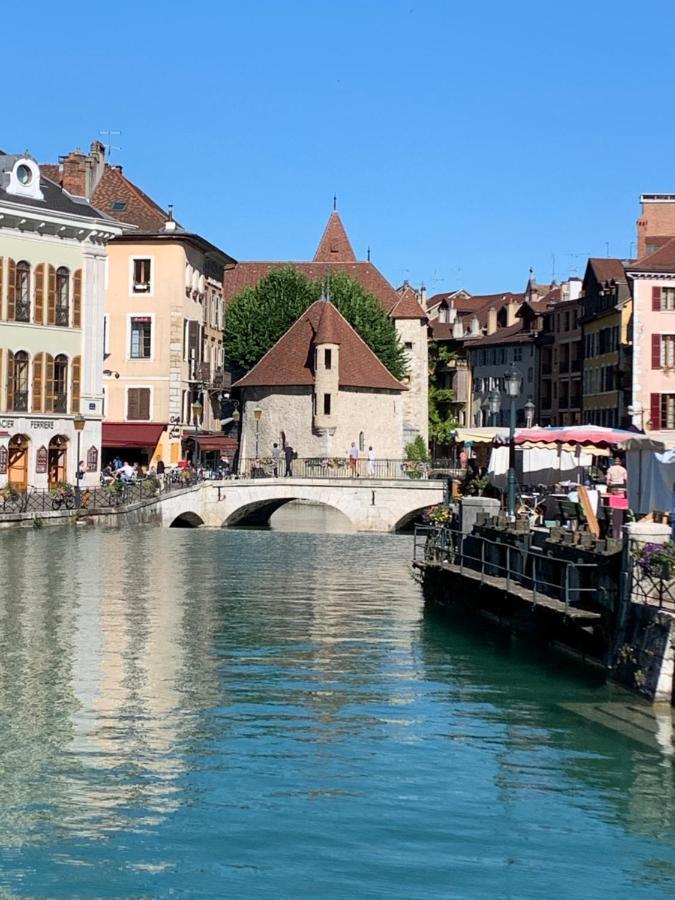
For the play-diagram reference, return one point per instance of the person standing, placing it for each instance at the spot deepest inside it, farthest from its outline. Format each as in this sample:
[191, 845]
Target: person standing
[160, 472]
[276, 458]
[617, 477]
[371, 461]
[289, 453]
[354, 459]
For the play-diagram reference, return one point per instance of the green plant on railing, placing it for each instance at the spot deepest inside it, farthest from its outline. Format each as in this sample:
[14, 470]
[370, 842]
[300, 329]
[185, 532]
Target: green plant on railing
[657, 560]
[61, 488]
[150, 486]
[474, 485]
[437, 515]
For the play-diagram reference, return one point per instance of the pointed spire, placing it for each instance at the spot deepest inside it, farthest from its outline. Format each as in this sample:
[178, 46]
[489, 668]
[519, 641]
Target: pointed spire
[334, 245]
[328, 328]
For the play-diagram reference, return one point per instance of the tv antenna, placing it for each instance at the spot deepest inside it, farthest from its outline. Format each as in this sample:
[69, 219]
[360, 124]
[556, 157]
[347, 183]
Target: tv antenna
[109, 146]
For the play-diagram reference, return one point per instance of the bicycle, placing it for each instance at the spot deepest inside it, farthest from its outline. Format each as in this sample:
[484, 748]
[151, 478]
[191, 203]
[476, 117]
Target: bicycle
[64, 497]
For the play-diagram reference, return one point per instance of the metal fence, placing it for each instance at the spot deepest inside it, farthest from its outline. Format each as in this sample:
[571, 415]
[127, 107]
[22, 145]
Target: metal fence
[569, 581]
[651, 586]
[113, 495]
[335, 467]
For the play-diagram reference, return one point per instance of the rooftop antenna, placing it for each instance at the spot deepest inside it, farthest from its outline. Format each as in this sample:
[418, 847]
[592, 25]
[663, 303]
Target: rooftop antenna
[109, 147]
[334, 202]
[553, 269]
[368, 253]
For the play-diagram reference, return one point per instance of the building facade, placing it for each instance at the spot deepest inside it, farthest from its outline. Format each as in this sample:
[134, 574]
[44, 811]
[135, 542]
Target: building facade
[559, 399]
[52, 280]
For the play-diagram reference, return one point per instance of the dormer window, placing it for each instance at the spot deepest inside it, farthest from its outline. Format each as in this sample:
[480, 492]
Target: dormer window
[24, 177]
[24, 174]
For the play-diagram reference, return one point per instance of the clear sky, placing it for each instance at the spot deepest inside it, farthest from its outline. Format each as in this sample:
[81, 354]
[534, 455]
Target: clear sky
[465, 142]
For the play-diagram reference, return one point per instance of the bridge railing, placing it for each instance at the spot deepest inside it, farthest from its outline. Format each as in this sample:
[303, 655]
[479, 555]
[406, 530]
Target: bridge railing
[335, 467]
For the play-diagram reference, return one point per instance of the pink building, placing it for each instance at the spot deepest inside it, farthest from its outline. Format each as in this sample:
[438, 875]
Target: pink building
[653, 329]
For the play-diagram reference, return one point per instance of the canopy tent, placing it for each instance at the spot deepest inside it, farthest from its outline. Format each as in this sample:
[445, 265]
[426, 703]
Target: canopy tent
[540, 465]
[593, 437]
[650, 480]
[141, 435]
[484, 435]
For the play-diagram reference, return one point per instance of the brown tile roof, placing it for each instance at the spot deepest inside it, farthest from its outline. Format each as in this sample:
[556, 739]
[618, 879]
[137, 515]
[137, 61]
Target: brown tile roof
[290, 361]
[662, 260]
[408, 305]
[334, 246]
[512, 334]
[248, 274]
[328, 329]
[607, 269]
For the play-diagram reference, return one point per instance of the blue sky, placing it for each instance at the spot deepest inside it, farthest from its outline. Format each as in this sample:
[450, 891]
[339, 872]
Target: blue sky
[465, 142]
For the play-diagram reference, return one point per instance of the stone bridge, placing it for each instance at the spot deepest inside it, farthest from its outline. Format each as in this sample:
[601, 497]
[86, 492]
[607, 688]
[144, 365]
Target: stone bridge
[369, 504]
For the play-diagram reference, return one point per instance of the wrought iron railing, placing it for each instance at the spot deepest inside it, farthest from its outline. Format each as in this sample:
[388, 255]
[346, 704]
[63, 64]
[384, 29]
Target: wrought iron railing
[20, 402]
[652, 586]
[111, 495]
[22, 311]
[62, 316]
[334, 467]
[60, 403]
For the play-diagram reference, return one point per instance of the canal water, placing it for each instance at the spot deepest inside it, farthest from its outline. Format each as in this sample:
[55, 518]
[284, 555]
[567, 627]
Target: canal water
[273, 714]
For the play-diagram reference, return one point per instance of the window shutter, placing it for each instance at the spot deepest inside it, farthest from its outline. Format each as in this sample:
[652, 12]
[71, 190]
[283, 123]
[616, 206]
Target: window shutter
[49, 383]
[37, 382]
[75, 385]
[10, 380]
[2, 406]
[656, 299]
[144, 403]
[11, 290]
[2, 260]
[51, 297]
[132, 403]
[39, 311]
[656, 351]
[655, 411]
[77, 299]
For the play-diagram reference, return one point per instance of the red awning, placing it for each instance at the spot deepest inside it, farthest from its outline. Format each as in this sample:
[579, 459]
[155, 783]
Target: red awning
[213, 442]
[131, 434]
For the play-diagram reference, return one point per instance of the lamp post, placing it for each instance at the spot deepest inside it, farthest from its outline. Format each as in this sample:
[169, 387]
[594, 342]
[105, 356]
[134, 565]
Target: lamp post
[78, 424]
[529, 413]
[197, 410]
[635, 410]
[485, 408]
[257, 412]
[495, 405]
[513, 381]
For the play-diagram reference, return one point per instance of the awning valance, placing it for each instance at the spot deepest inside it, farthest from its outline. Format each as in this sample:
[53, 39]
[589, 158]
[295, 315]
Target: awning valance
[131, 434]
[208, 442]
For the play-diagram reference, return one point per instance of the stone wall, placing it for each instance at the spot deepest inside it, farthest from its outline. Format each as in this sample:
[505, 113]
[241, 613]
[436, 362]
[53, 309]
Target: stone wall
[416, 398]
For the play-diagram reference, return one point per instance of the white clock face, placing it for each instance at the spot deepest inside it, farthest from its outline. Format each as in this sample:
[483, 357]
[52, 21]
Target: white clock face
[24, 174]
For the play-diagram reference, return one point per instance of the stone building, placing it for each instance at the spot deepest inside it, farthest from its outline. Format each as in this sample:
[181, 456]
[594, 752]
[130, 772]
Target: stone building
[560, 357]
[52, 274]
[335, 255]
[318, 389]
[164, 312]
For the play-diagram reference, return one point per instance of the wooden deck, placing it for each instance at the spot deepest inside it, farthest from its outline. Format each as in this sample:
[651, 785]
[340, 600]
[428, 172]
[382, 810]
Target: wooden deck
[514, 589]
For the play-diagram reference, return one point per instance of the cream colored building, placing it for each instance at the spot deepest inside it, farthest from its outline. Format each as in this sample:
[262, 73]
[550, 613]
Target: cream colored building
[163, 344]
[52, 273]
[319, 390]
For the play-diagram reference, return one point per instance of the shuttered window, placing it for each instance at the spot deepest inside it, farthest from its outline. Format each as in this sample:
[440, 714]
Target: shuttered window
[62, 296]
[49, 383]
[138, 404]
[77, 298]
[38, 382]
[663, 299]
[141, 337]
[75, 385]
[39, 312]
[2, 269]
[51, 296]
[11, 289]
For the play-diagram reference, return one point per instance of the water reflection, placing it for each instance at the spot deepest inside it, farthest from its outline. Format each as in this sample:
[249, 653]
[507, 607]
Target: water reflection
[190, 697]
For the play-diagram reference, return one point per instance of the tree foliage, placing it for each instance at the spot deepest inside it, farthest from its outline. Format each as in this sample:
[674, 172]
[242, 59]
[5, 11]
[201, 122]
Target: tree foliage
[442, 418]
[257, 317]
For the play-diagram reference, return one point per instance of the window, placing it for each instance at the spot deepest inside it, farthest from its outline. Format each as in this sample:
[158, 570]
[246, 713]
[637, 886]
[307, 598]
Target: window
[141, 337]
[141, 276]
[326, 404]
[19, 401]
[22, 292]
[668, 300]
[62, 296]
[530, 374]
[119, 206]
[138, 404]
[328, 358]
[668, 350]
[60, 387]
[362, 441]
[517, 354]
[667, 411]
[408, 345]
[502, 355]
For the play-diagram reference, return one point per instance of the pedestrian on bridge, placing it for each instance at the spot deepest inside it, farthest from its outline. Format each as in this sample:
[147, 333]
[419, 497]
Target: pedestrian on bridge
[371, 461]
[354, 459]
[289, 455]
[276, 458]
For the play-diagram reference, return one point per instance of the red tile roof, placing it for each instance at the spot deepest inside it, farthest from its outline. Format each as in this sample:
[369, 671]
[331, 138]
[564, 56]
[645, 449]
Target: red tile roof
[662, 260]
[290, 361]
[334, 246]
[329, 327]
[607, 269]
[512, 334]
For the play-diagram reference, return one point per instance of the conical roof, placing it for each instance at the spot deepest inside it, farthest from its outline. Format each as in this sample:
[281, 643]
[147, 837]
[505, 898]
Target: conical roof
[334, 246]
[329, 327]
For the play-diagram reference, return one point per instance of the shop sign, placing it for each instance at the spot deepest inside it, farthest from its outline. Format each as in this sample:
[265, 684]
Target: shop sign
[42, 423]
[3, 460]
[6, 423]
[92, 459]
[41, 458]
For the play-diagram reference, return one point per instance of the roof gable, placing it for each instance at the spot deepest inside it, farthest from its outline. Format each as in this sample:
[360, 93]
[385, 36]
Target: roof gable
[334, 245]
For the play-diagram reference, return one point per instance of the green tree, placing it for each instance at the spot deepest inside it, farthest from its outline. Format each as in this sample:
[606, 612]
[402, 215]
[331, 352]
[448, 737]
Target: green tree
[257, 317]
[442, 418]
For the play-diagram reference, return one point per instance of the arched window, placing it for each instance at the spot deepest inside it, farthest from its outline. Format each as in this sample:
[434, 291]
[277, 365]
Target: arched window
[362, 441]
[62, 296]
[17, 387]
[60, 383]
[22, 292]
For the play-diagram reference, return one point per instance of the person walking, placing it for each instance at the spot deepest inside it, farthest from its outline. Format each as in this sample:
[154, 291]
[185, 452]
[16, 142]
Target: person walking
[289, 455]
[276, 458]
[371, 461]
[354, 459]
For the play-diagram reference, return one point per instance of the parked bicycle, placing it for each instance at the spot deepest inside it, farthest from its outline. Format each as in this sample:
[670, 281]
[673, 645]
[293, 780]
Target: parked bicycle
[63, 497]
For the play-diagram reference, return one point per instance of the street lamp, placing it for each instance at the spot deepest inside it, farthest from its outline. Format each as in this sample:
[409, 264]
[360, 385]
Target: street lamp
[78, 424]
[257, 412]
[485, 407]
[197, 411]
[495, 404]
[513, 381]
[529, 413]
[635, 410]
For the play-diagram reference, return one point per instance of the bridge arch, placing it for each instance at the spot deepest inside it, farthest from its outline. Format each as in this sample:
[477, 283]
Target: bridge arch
[408, 519]
[259, 512]
[187, 520]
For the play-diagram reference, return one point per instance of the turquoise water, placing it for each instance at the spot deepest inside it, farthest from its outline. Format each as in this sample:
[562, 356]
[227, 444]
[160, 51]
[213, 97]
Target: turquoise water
[256, 714]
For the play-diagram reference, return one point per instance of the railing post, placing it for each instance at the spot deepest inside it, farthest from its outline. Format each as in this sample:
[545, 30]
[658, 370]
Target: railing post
[482, 561]
[567, 587]
[508, 567]
[534, 579]
[461, 552]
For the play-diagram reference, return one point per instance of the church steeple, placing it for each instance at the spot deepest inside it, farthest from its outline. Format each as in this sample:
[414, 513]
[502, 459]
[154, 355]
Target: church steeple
[334, 246]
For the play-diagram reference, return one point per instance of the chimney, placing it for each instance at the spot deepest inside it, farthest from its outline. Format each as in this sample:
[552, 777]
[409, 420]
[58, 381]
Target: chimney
[492, 320]
[474, 326]
[657, 219]
[511, 310]
[96, 166]
[423, 296]
[74, 177]
[458, 330]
